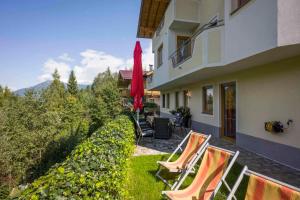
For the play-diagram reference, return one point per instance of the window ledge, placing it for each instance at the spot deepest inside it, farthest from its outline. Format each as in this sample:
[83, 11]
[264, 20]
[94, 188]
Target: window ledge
[207, 113]
[238, 8]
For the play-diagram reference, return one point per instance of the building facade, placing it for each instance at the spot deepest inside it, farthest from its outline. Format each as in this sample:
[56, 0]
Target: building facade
[235, 63]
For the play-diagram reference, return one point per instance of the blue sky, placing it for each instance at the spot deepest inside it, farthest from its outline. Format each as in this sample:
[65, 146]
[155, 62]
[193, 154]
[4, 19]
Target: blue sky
[37, 36]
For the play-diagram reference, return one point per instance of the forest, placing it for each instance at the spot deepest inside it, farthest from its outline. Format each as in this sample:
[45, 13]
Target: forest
[41, 129]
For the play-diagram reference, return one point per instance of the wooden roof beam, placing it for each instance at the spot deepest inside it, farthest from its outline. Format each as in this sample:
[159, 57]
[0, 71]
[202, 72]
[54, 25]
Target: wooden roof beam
[151, 13]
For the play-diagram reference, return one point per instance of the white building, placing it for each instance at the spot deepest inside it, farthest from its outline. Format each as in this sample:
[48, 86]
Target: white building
[235, 63]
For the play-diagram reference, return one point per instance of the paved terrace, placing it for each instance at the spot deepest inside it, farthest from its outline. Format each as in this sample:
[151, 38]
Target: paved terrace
[255, 162]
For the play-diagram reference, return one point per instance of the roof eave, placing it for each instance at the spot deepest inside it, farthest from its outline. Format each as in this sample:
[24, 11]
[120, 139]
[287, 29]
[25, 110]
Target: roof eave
[156, 6]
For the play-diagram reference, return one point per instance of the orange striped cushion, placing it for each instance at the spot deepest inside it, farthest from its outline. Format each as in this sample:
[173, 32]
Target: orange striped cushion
[262, 189]
[208, 176]
[194, 143]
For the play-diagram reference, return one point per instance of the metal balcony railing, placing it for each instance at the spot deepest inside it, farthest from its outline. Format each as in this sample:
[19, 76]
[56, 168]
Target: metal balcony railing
[185, 51]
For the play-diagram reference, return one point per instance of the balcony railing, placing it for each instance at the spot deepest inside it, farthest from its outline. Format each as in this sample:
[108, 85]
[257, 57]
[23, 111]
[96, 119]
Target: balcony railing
[185, 51]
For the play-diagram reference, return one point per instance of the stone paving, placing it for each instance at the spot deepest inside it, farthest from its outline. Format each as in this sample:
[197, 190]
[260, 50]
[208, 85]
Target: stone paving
[149, 146]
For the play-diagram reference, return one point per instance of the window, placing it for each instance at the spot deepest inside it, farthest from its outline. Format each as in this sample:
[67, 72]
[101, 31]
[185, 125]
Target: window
[184, 48]
[237, 4]
[168, 100]
[160, 56]
[208, 99]
[185, 98]
[176, 99]
[164, 101]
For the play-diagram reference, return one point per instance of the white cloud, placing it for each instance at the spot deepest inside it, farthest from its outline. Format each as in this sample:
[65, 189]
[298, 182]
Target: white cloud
[50, 66]
[148, 57]
[65, 57]
[92, 62]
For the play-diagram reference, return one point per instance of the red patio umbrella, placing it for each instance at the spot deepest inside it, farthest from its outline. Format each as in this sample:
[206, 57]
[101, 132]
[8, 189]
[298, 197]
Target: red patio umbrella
[137, 83]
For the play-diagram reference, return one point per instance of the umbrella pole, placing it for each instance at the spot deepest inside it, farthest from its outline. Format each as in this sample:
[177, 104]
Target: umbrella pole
[138, 115]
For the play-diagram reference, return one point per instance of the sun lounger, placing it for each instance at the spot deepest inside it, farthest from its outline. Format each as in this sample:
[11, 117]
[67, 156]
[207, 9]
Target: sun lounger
[262, 187]
[212, 172]
[184, 164]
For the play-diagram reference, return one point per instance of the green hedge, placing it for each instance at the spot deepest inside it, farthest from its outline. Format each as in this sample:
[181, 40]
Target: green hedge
[96, 169]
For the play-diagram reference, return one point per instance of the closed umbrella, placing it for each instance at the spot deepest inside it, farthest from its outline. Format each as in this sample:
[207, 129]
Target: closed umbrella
[137, 83]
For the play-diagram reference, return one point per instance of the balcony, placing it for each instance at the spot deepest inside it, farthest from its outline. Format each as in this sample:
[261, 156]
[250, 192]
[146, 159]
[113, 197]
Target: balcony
[204, 49]
[185, 52]
[176, 18]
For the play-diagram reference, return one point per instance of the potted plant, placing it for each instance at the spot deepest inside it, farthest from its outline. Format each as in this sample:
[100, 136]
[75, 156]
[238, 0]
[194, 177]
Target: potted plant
[150, 108]
[185, 113]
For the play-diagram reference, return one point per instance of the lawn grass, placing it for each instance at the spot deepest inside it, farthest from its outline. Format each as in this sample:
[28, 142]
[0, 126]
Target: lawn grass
[143, 185]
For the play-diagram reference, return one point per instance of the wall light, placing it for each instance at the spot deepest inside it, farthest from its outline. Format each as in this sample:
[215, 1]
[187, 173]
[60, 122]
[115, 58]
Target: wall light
[189, 93]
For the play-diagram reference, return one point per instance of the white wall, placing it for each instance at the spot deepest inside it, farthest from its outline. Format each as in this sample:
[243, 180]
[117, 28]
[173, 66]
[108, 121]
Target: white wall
[186, 10]
[288, 22]
[250, 30]
[257, 27]
[271, 93]
[264, 93]
[161, 73]
[209, 9]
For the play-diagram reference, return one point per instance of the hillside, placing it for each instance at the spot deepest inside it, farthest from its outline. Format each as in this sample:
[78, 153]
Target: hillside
[41, 86]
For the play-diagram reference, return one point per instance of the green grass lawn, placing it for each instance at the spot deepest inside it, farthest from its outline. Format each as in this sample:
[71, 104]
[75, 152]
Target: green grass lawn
[143, 185]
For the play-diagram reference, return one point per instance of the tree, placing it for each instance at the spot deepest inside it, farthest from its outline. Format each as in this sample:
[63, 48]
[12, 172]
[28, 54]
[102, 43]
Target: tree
[1, 95]
[6, 96]
[72, 84]
[54, 95]
[40, 129]
[7, 93]
[101, 80]
[106, 102]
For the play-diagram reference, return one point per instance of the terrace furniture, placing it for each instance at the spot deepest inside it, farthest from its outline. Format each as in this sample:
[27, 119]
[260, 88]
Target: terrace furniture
[265, 188]
[194, 149]
[145, 125]
[162, 128]
[177, 122]
[150, 120]
[212, 172]
[143, 132]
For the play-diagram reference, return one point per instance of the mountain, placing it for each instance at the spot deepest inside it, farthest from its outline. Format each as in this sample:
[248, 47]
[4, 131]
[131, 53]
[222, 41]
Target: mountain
[41, 86]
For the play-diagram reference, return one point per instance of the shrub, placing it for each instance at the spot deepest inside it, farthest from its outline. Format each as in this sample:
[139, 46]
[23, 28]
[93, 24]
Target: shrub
[150, 105]
[96, 169]
[4, 191]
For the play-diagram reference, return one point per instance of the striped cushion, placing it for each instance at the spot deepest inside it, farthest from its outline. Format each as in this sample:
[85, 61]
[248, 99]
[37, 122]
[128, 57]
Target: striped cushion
[193, 145]
[262, 189]
[208, 176]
